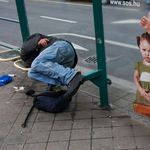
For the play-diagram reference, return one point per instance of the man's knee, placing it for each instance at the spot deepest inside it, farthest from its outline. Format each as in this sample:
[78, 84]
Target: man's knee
[30, 74]
[34, 65]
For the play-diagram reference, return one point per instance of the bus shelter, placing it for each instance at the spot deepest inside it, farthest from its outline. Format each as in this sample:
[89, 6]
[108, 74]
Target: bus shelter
[98, 76]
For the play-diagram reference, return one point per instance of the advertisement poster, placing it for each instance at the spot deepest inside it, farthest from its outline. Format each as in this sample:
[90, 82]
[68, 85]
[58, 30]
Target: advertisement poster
[142, 70]
[127, 30]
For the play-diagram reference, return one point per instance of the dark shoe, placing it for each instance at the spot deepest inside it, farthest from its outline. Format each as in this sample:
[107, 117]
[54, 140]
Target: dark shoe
[74, 85]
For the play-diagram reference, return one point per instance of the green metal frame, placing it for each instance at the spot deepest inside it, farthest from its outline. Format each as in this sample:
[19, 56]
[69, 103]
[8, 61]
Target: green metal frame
[99, 76]
[22, 15]
[22, 20]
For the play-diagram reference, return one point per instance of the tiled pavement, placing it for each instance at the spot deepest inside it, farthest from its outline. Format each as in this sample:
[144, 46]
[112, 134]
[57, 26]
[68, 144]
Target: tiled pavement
[81, 126]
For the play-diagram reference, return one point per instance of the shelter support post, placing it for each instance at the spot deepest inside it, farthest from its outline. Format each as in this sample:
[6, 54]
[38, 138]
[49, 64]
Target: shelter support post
[99, 76]
[22, 19]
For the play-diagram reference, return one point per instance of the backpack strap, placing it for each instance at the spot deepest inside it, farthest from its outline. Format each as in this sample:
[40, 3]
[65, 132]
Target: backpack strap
[52, 94]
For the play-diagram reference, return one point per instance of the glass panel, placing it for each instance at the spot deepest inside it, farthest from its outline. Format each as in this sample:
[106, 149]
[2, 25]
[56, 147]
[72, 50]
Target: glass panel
[72, 21]
[121, 26]
[9, 31]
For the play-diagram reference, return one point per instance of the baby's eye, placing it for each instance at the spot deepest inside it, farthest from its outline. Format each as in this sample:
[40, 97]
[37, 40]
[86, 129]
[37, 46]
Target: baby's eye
[144, 50]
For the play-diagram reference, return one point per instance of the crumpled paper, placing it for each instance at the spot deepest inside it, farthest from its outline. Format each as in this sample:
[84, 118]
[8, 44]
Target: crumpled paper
[19, 88]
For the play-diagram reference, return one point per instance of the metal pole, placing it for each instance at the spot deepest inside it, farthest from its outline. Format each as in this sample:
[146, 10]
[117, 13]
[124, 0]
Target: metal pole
[100, 49]
[11, 20]
[23, 19]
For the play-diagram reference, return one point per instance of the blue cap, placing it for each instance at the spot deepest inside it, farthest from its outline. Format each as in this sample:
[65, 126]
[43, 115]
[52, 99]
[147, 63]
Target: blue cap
[5, 79]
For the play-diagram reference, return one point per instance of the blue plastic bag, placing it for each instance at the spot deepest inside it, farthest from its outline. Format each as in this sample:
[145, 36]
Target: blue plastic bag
[5, 79]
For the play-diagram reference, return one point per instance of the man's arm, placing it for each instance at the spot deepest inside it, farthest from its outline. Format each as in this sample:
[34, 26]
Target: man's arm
[42, 42]
[30, 45]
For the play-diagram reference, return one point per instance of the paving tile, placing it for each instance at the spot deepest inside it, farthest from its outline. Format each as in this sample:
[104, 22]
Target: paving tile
[121, 93]
[3, 68]
[83, 97]
[60, 125]
[12, 147]
[87, 83]
[141, 130]
[38, 83]
[16, 138]
[115, 113]
[124, 143]
[130, 97]
[102, 133]
[64, 116]
[5, 96]
[59, 136]
[130, 108]
[42, 126]
[5, 118]
[82, 120]
[57, 146]
[140, 118]
[121, 121]
[122, 131]
[38, 137]
[27, 83]
[40, 88]
[85, 107]
[19, 95]
[83, 114]
[17, 103]
[80, 145]
[112, 97]
[17, 128]
[8, 88]
[118, 111]
[135, 122]
[42, 117]
[38, 146]
[112, 89]
[2, 138]
[1, 109]
[27, 108]
[102, 144]
[102, 122]
[29, 101]
[69, 108]
[11, 109]
[142, 142]
[94, 92]
[81, 134]
[84, 123]
[17, 81]
[83, 86]
[122, 103]
[96, 99]
[96, 105]
[21, 118]
[5, 128]
[101, 113]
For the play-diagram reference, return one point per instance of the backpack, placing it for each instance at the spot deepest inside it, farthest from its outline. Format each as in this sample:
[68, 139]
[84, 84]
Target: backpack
[51, 101]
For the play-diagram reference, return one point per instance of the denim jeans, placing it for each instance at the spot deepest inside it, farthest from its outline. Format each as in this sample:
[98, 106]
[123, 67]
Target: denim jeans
[53, 65]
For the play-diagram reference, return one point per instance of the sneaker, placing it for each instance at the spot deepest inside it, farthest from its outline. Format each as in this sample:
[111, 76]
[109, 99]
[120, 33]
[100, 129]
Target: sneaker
[74, 85]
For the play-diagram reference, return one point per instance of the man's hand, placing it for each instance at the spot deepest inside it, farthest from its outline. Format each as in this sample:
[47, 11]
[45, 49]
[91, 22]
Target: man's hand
[145, 23]
[43, 42]
[20, 50]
